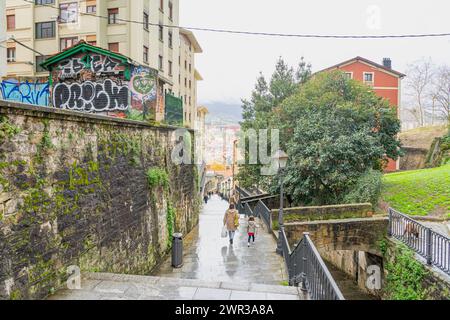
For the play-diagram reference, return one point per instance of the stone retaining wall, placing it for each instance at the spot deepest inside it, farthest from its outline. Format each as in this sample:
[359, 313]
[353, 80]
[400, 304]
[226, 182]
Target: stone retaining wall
[343, 211]
[74, 191]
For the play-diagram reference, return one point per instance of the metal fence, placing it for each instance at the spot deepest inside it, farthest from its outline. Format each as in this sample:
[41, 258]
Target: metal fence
[265, 214]
[307, 269]
[433, 246]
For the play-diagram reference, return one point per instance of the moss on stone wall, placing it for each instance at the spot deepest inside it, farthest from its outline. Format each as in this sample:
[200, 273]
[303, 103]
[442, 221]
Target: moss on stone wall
[77, 193]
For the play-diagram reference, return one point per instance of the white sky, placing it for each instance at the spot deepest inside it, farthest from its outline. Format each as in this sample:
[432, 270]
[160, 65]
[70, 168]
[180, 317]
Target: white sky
[231, 63]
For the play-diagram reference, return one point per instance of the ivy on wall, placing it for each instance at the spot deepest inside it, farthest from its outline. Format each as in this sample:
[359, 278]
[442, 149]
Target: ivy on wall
[405, 276]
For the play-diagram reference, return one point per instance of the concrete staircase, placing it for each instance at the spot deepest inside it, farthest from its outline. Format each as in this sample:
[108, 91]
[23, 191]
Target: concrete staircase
[106, 286]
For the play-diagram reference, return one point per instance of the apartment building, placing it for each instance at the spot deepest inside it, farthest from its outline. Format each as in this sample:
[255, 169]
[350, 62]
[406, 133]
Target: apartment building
[2, 40]
[188, 77]
[50, 26]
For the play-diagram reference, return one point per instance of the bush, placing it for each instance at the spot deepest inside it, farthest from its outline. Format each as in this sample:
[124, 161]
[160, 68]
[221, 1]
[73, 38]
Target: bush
[157, 177]
[366, 189]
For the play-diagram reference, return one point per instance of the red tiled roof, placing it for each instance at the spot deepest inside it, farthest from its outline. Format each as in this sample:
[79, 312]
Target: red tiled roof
[358, 58]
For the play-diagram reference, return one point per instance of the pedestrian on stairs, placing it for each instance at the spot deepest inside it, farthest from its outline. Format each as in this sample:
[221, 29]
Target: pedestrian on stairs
[252, 228]
[231, 221]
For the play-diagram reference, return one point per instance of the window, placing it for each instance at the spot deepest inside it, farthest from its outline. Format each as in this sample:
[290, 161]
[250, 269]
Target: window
[170, 68]
[185, 64]
[349, 75]
[91, 9]
[68, 12]
[11, 22]
[170, 39]
[161, 63]
[39, 60]
[161, 5]
[368, 77]
[146, 25]
[91, 39]
[190, 67]
[185, 82]
[113, 46]
[43, 2]
[190, 84]
[65, 43]
[113, 15]
[190, 100]
[45, 30]
[145, 54]
[11, 55]
[161, 33]
[170, 10]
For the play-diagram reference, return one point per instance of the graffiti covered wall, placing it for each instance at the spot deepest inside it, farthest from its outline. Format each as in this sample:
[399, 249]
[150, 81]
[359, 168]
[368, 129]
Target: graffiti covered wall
[143, 86]
[96, 83]
[25, 91]
[91, 83]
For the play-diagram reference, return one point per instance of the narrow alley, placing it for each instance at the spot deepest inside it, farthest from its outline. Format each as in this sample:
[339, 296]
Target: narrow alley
[209, 257]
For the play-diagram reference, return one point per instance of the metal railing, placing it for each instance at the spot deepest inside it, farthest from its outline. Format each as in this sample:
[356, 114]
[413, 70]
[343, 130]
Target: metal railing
[265, 214]
[242, 192]
[307, 269]
[432, 246]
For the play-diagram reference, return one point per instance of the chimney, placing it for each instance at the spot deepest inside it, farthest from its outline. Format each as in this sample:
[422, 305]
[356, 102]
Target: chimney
[387, 63]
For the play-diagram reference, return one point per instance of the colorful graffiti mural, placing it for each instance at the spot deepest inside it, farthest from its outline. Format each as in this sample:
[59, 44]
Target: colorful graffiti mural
[34, 92]
[143, 86]
[90, 79]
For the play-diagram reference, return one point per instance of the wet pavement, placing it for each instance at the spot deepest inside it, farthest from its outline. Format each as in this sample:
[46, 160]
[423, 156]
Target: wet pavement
[209, 257]
[106, 286]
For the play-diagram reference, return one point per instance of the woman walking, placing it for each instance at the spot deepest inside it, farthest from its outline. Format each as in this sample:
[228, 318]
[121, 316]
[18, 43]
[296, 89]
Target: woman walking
[231, 221]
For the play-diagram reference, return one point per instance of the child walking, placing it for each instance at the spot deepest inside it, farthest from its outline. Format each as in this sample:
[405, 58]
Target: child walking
[251, 229]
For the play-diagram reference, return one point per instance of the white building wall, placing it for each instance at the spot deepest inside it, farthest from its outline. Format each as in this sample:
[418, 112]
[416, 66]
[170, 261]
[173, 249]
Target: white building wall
[2, 38]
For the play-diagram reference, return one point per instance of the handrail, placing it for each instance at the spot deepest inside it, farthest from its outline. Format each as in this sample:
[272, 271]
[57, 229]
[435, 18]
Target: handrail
[264, 213]
[306, 267]
[257, 198]
[431, 245]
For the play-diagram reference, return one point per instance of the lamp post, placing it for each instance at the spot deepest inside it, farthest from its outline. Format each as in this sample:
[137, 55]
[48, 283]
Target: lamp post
[281, 159]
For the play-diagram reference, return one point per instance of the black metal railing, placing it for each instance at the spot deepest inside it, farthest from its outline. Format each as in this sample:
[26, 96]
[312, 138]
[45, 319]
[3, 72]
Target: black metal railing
[431, 245]
[242, 192]
[264, 213]
[307, 270]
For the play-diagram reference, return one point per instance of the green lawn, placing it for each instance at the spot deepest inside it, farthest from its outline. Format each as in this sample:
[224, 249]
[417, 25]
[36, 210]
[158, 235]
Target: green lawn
[419, 192]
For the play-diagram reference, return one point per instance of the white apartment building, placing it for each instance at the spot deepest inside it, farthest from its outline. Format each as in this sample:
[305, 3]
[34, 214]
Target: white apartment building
[2, 40]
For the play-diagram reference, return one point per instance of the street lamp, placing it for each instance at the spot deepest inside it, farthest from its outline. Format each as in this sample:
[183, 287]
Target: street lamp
[281, 159]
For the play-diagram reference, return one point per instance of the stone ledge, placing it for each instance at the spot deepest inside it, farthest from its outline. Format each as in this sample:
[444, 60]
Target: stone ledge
[15, 108]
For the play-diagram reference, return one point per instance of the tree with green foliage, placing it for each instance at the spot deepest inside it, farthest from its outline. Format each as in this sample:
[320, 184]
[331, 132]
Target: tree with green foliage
[338, 134]
[257, 112]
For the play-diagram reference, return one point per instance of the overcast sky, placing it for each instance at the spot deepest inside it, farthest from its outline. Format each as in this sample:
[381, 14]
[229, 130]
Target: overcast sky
[231, 63]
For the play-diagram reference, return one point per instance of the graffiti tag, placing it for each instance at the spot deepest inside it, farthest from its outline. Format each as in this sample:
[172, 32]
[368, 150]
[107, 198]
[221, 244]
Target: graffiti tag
[70, 68]
[101, 64]
[29, 92]
[91, 96]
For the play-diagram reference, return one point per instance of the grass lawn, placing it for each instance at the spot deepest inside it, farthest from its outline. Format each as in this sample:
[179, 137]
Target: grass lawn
[420, 192]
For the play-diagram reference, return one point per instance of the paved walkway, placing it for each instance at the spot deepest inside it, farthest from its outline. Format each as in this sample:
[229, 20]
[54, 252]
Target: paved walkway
[212, 270]
[209, 257]
[105, 286]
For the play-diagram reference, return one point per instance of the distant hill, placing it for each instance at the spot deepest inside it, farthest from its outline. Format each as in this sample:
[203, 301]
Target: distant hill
[223, 112]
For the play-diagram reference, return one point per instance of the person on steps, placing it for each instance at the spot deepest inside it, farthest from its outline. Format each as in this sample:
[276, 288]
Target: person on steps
[231, 221]
[251, 229]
